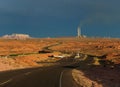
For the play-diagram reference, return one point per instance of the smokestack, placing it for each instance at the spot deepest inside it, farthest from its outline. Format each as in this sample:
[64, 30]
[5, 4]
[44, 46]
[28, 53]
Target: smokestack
[79, 32]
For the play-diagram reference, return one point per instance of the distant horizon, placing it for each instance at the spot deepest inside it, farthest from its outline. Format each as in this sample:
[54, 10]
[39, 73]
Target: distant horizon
[62, 36]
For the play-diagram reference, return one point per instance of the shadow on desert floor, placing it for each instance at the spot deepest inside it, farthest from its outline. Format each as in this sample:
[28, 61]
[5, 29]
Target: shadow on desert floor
[106, 75]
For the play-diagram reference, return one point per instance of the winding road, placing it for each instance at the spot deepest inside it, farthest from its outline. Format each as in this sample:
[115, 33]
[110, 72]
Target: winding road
[57, 75]
[52, 76]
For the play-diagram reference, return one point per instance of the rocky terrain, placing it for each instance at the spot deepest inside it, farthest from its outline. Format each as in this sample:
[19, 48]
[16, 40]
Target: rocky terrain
[16, 54]
[100, 47]
[100, 66]
[94, 74]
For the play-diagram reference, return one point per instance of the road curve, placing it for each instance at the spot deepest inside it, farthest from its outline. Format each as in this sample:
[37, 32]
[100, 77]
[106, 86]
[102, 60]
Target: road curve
[54, 76]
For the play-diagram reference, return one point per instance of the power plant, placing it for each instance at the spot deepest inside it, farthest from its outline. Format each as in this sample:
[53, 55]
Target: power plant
[79, 32]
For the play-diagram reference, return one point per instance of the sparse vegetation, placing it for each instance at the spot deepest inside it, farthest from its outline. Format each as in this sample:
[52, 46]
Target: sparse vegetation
[99, 57]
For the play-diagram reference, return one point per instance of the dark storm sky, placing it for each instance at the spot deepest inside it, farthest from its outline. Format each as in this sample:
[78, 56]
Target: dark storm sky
[53, 18]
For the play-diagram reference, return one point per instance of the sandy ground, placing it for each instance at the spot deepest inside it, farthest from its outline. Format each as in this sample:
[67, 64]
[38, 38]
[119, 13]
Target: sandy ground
[15, 47]
[25, 61]
[109, 48]
[95, 75]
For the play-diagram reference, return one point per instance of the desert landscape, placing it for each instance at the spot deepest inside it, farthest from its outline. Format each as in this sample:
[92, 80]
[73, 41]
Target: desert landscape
[99, 66]
[15, 54]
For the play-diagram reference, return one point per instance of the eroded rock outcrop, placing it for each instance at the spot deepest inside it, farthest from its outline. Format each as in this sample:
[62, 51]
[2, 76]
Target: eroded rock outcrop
[17, 36]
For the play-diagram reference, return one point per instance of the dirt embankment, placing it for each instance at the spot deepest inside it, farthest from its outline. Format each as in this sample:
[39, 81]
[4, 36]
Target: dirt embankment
[92, 73]
[97, 77]
[83, 81]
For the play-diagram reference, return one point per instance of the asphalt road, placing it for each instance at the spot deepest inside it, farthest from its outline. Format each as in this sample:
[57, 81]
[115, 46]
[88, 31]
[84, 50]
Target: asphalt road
[53, 76]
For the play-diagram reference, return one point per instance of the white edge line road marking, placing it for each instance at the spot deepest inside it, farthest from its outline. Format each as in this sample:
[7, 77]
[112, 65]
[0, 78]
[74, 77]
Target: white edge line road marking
[28, 73]
[6, 82]
[61, 75]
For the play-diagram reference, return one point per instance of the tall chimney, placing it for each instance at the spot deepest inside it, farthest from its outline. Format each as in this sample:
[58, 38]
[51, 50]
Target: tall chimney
[79, 32]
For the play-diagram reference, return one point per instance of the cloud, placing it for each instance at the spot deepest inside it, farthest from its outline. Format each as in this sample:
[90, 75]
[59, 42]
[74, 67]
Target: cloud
[104, 12]
[87, 11]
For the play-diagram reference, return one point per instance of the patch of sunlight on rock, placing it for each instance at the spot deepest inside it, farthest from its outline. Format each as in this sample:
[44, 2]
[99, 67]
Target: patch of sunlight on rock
[96, 61]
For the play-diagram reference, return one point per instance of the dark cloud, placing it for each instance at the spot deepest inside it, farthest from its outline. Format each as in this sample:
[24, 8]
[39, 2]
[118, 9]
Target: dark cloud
[27, 14]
